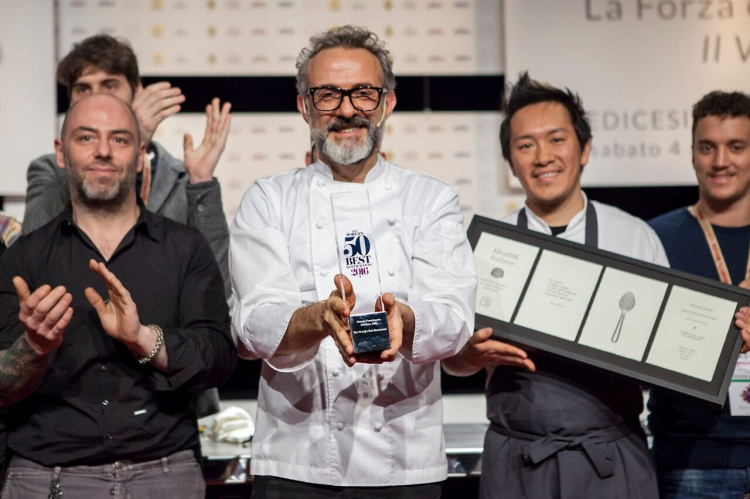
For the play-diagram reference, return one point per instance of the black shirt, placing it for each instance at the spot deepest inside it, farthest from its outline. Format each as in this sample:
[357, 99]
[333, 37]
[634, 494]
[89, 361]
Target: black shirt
[96, 404]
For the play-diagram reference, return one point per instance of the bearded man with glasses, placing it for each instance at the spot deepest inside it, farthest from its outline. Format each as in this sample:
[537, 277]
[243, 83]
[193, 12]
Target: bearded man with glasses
[332, 423]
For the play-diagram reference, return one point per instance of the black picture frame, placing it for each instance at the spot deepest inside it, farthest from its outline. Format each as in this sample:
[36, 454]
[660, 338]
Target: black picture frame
[714, 391]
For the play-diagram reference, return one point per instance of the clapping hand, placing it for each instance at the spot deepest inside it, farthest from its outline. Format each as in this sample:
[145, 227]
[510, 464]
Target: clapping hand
[118, 314]
[45, 314]
[154, 104]
[201, 163]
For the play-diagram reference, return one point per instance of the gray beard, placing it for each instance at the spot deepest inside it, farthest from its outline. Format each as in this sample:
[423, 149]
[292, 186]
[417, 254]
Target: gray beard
[111, 199]
[345, 154]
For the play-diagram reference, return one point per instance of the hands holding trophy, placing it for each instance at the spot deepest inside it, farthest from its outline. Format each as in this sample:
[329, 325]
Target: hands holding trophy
[366, 326]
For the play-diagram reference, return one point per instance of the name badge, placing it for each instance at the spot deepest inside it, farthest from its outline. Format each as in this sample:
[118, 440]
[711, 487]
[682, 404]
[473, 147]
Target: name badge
[739, 389]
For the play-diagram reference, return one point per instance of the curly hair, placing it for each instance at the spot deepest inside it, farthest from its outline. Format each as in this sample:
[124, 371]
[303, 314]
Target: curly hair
[100, 51]
[350, 37]
[721, 104]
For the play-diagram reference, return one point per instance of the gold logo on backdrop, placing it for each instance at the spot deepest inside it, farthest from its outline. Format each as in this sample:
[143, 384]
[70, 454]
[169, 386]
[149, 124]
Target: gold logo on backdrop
[157, 31]
[211, 5]
[157, 58]
[388, 5]
[157, 4]
[211, 31]
[334, 5]
[212, 58]
[388, 129]
[389, 31]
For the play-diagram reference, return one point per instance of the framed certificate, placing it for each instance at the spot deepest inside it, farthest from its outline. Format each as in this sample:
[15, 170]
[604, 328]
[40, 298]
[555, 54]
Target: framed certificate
[660, 326]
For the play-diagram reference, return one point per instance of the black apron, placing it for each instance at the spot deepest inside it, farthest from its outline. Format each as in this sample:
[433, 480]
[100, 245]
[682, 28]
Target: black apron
[564, 431]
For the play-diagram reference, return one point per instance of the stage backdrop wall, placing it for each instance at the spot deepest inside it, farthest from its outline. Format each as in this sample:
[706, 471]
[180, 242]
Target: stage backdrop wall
[27, 89]
[639, 65]
[228, 48]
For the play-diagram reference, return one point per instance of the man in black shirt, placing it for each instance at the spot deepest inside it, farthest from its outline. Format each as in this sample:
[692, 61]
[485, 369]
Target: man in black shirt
[102, 387]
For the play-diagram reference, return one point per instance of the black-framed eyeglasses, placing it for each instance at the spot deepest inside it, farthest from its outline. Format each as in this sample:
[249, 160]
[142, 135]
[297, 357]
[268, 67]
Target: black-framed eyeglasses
[363, 98]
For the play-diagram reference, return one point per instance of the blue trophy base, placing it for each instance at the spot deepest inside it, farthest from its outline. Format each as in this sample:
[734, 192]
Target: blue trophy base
[370, 332]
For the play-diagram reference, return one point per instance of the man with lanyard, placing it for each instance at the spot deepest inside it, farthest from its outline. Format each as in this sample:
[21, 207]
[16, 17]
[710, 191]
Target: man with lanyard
[558, 429]
[702, 450]
[332, 423]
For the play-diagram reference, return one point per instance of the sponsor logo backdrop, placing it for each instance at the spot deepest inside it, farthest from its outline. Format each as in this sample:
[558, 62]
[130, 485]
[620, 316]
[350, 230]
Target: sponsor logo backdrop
[639, 65]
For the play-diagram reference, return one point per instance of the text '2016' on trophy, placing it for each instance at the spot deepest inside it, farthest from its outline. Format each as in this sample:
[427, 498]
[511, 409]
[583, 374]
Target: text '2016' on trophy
[358, 261]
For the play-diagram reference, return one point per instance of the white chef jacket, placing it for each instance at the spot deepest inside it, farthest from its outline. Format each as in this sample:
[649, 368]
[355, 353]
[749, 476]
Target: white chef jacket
[619, 232]
[318, 420]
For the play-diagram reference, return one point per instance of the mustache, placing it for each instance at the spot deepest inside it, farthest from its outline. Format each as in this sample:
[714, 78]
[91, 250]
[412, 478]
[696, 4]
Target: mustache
[103, 162]
[343, 123]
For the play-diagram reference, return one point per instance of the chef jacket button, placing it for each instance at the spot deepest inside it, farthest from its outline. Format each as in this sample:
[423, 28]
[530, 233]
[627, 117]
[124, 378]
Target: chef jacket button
[391, 220]
[340, 426]
[320, 224]
[323, 273]
[378, 427]
[388, 187]
[391, 272]
[320, 183]
[381, 377]
[336, 373]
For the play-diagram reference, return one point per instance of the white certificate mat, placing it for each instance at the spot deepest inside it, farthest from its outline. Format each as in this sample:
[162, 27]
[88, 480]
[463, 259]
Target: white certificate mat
[691, 333]
[503, 267]
[558, 295]
[623, 314]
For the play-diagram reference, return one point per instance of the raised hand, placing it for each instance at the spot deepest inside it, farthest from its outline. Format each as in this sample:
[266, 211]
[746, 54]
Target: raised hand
[119, 315]
[45, 314]
[336, 312]
[154, 104]
[201, 163]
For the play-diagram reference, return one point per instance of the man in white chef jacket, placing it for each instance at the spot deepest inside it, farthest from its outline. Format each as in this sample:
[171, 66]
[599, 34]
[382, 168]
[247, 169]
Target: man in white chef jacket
[330, 421]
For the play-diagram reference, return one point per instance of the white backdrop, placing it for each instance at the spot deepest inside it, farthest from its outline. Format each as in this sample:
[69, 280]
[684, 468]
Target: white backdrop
[639, 65]
[27, 89]
[257, 37]
[459, 148]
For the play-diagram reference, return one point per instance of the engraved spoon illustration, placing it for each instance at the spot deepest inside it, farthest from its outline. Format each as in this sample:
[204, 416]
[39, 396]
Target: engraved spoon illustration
[627, 302]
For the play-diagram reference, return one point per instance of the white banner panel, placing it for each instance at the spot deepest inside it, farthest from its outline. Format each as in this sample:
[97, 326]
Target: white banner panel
[455, 147]
[639, 66]
[27, 89]
[264, 37]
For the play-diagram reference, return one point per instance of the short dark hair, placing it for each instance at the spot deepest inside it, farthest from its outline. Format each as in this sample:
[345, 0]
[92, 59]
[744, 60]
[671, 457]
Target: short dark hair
[721, 104]
[527, 92]
[109, 54]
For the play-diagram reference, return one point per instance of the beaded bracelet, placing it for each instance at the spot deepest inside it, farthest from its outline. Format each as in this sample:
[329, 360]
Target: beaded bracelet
[159, 343]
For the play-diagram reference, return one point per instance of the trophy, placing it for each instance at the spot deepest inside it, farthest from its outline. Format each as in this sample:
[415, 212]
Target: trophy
[358, 261]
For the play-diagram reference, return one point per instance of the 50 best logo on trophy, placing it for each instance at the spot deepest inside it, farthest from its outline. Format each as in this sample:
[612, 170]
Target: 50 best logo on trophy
[358, 260]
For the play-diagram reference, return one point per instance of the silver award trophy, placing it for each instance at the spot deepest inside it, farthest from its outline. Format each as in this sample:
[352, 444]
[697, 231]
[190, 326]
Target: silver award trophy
[358, 261]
